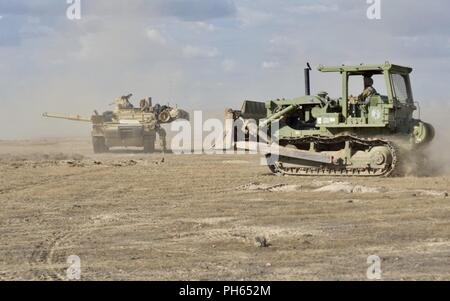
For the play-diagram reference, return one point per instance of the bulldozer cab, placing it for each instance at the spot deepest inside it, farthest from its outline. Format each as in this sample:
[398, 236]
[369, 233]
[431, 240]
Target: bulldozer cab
[391, 89]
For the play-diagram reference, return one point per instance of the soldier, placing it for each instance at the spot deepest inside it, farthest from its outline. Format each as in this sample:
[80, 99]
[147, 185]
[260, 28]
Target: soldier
[125, 102]
[157, 109]
[363, 98]
[369, 90]
[144, 105]
[162, 138]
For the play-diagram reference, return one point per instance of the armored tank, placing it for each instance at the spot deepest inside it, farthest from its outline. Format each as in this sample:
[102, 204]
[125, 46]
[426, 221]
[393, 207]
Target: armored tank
[128, 126]
[371, 134]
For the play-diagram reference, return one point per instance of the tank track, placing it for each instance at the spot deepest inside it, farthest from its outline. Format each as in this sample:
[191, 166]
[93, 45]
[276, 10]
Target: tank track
[341, 170]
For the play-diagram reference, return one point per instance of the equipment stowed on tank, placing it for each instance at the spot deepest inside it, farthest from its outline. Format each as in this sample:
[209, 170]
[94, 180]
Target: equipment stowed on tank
[371, 134]
[128, 126]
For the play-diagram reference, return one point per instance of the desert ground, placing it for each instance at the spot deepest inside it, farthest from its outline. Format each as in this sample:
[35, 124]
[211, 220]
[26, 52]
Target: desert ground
[130, 216]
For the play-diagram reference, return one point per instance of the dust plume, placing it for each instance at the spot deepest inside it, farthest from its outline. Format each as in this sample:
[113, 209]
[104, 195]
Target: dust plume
[438, 151]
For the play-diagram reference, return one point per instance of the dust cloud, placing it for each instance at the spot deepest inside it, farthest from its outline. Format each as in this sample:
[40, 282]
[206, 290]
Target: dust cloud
[438, 151]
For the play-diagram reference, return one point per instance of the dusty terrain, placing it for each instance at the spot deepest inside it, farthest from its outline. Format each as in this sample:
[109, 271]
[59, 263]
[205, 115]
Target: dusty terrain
[130, 216]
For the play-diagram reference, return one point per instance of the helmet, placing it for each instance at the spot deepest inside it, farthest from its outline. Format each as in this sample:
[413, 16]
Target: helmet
[368, 81]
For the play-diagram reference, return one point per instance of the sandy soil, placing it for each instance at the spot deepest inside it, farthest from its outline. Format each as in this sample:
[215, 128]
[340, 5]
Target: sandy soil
[130, 216]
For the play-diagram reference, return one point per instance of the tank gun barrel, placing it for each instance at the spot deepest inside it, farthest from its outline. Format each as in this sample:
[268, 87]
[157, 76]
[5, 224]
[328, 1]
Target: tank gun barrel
[72, 118]
[277, 115]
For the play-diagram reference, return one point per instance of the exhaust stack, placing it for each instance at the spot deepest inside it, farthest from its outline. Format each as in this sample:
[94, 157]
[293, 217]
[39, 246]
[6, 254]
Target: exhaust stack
[307, 80]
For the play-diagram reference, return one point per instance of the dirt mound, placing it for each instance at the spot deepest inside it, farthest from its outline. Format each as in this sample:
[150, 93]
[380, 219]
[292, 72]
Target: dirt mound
[41, 160]
[39, 157]
[235, 162]
[432, 193]
[335, 187]
[349, 188]
[326, 186]
[270, 188]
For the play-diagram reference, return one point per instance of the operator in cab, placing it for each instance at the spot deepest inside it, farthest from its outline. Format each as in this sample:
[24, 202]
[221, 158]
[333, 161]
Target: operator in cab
[369, 90]
[355, 103]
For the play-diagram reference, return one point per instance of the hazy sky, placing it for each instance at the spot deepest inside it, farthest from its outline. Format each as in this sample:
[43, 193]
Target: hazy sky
[201, 54]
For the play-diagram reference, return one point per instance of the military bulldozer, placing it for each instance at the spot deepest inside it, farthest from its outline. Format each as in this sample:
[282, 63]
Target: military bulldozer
[371, 134]
[128, 126]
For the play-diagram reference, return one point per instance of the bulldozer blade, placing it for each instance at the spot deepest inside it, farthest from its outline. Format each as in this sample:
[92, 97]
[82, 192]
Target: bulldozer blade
[275, 149]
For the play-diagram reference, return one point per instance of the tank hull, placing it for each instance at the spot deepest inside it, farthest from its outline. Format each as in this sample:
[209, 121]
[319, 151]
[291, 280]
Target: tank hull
[129, 126]
[124, 135]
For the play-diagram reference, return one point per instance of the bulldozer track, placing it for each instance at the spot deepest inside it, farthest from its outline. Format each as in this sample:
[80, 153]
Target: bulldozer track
[341, 170]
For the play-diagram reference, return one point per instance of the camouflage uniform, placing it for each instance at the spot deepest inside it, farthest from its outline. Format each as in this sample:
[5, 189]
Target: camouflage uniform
[363, 98]
[369, 90]
[367, 93]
